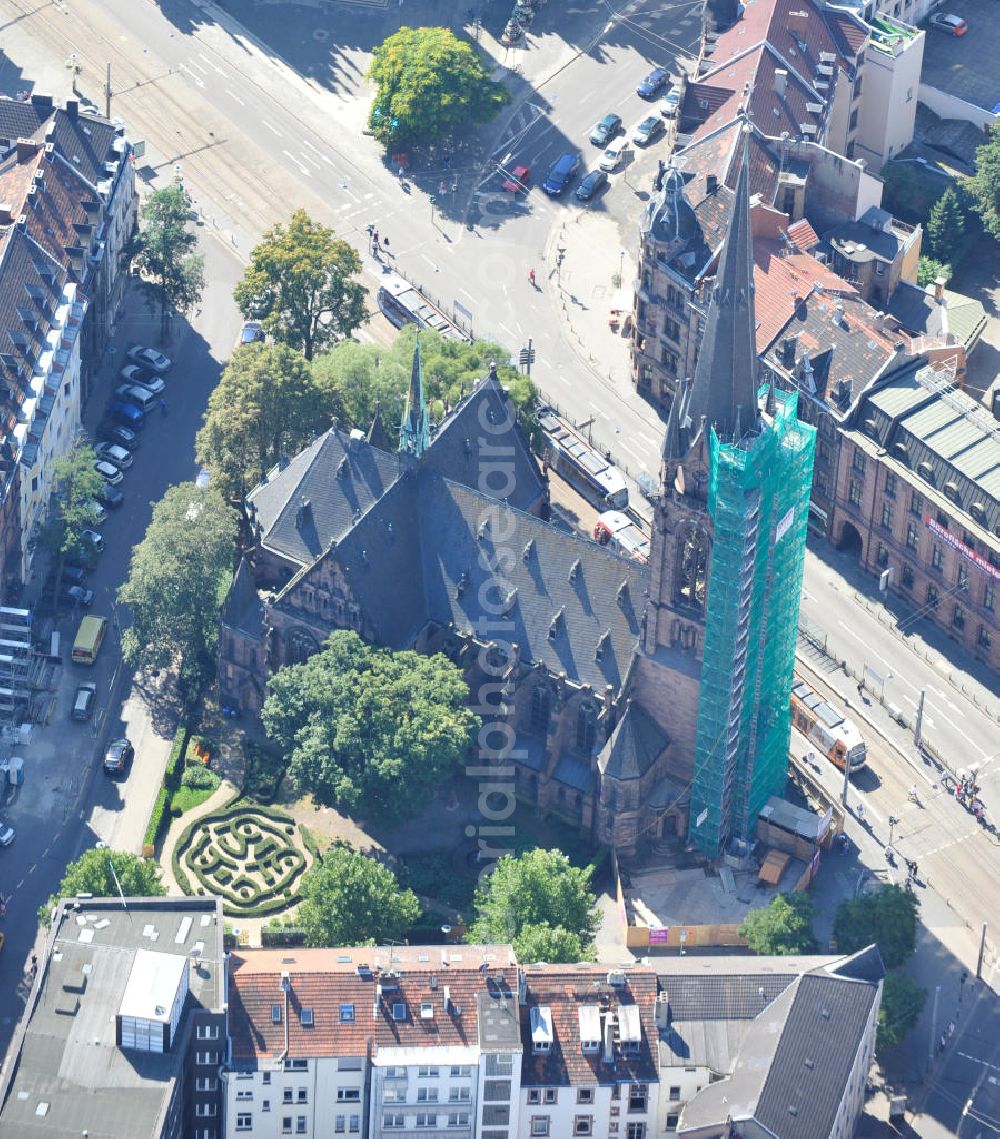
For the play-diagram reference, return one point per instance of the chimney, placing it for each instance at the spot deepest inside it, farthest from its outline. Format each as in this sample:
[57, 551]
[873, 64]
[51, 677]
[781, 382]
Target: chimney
[711, 183]
[609, 1038]
[780, 82]
[72, 108]
[26, 148]
[939, 289]
[6, 214]
[788, 347]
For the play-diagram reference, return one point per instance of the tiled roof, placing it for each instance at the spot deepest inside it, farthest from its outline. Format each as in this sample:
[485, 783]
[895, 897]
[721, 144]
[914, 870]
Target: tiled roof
[635, 745]
[802, 235]
[87, 142]
[243, 609]
[781, 280]
[350, 1018]
[716, 153]
[814, 1056]
[724, 997]
[865, 965]
[565, 990]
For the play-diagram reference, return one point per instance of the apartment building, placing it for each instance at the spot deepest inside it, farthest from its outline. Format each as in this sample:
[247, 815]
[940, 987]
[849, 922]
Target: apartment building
[124, 1029]
[917, 499]
[396, 1041]
[589, 1052]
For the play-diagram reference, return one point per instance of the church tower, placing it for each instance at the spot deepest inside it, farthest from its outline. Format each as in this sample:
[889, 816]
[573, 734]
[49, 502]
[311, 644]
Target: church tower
[415, 428]
[727, 558]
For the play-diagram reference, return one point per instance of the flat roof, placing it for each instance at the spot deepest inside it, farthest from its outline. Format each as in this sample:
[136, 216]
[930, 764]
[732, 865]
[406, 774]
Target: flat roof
[152, 985]
[69, 1075]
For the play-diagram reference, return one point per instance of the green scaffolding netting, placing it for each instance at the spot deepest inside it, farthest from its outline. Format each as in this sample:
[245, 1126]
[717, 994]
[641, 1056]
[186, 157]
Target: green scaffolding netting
[759, 504]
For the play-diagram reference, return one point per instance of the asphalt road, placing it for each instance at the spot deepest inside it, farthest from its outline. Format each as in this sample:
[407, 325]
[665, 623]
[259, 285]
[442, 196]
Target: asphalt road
[965, 1094]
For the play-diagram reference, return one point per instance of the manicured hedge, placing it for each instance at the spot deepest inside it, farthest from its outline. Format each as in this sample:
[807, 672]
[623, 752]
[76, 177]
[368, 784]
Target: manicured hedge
[175, 763]
[158, 819]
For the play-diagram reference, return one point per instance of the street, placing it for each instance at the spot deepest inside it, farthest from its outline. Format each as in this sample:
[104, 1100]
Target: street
[258, 131]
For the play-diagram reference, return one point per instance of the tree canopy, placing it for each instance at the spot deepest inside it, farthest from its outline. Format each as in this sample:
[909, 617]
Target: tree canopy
[362, 377]
[429, 83]
[984, 185]
[928, 271]
[902, 1003]
[178, 578]
[92, 873]
[73, 508]
[350, 899]
[540, 902]
[367, 729]
[266, 404]
[300, 285]
[944, 232]
[784, 926]
[172, 275]
[887, 917]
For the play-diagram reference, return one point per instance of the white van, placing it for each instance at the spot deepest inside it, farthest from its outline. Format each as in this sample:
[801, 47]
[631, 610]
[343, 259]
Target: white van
[143, 398]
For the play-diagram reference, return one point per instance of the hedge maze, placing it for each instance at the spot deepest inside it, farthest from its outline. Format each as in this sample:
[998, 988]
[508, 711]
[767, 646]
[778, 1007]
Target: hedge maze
[245, 854]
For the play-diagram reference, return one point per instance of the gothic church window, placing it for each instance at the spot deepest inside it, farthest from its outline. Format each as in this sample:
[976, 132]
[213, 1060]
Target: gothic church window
[301, 646]
[692, 570]
[586, 729]
[541, 704]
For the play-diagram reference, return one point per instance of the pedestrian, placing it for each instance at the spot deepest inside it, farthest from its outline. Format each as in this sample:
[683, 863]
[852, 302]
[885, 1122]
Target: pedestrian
[385, 243]
[861, 688]
[950, 1030]
[942, 1043]
[374, 234]
[401, 172]
[861, 814]
[531, 277]
[34, 963]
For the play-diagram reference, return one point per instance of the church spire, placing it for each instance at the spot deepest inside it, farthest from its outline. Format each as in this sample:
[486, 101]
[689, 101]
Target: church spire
[724, 391]
[414, 430]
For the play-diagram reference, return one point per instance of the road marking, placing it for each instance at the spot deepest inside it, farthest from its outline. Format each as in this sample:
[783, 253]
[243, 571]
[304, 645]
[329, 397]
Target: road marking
[197, 65]
[233, 95]
[304, 169]
[328, 161]
[508, 331]
[952, 842]
[466, 293]
[273, 129]
[976, 1060]
[198, 82]
[309, 158]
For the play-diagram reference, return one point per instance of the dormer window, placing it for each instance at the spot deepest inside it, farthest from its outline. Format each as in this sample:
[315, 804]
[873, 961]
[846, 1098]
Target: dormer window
[541, 1029]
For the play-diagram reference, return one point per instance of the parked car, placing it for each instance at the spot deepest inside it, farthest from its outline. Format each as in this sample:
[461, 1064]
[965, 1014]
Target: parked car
[118, 757]
[591, 185]
[649, 129]
[98, 512]
[6, 834]
[93, 538]
[149, 358]
[517, 179]
[110, 496]
[74, 574]
[606, 130]
[112, 453]
[953, 25]
[614, 156]
[252, 332]
[108, 471]
[561, 174]
[132, 417]
[133, 374]
[118, 434]
[83, 702]
[76, 595]
[670, 103]
[653, 82]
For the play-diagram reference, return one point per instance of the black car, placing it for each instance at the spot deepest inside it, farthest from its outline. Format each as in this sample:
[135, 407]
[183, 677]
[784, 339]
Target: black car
[76, 595]
[118, 757]
[119, 434]
[594, 182]
[73, 574]
[110, 496]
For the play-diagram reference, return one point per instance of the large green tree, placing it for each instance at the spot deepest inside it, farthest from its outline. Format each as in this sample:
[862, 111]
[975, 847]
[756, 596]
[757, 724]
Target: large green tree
[984, 185]
[540, 902]
[95, 872]
[350, 899]
[428, 84]
[902, 1003]
[171, 274]
[358, 378]
[266, 405]
[73, 507]
[300, 284]
[784, 926]
[888, 917]
[928, 271]
[368, 729]
[945, 229]
[177, 581]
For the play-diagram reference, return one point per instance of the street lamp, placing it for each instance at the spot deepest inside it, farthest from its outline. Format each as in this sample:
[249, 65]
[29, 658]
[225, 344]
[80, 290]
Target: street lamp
[432, 201]
[621, 267]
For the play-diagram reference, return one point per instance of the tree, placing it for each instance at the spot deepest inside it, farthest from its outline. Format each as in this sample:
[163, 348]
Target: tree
[172, 274]
[73, 508]
[178, 578]
[554, 946]
[945, 229]
[928, 271]
[362, 377]
[984, 185]
[266, 405]
[350, 899]
[784, 926]
[902, 1003]
[92, 873]
[369, 729]
[529, 892]
[299, 285]
[429, 83]
[887, 917]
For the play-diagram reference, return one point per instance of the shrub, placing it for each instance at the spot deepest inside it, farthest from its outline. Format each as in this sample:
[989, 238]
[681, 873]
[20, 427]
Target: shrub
[157, 818]
[175, 762]
[311, 843]
[200, 777]
[263, 771]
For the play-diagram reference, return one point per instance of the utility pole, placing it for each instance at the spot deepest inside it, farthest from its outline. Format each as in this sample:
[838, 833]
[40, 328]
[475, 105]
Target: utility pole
[892, 827]
[933, 1040]
[982, 953]
[847, 774]
[919, 722]
[107, 93]
[527, 357]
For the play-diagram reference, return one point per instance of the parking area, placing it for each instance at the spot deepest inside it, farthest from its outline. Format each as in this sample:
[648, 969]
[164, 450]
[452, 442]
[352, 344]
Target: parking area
[965, 66]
